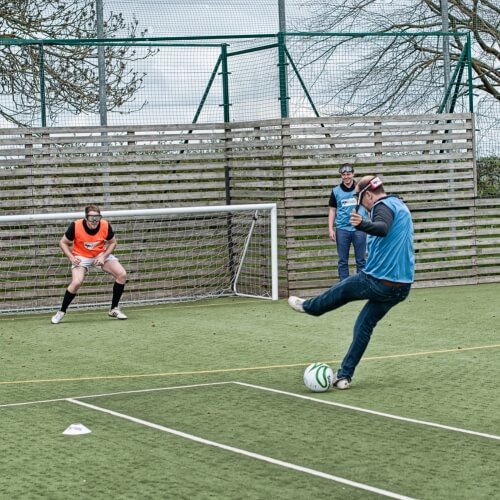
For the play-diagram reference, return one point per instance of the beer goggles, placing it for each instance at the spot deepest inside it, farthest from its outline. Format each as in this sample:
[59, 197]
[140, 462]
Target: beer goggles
[93, 218]
[373, 184]
[346, 169]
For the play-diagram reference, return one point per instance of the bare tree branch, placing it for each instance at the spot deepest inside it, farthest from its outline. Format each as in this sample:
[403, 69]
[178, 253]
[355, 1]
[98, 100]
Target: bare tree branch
[70, 71]
[402, 73]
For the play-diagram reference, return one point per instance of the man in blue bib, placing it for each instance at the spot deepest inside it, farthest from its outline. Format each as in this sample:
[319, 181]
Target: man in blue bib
[341, 231]
[386, 279]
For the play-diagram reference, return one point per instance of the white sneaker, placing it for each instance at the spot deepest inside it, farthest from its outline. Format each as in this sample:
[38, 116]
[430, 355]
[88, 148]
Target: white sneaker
[296, 303]
[58, 316]
[341, 383]
[116, 313]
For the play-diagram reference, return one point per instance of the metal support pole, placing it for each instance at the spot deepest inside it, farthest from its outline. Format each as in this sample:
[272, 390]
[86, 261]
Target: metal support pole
[282, 64]
[41, 64]
[282, 59]
[446, 47]
[469, 73]
[225, 83]
[103, 109]
[227, 172]
[101, 64]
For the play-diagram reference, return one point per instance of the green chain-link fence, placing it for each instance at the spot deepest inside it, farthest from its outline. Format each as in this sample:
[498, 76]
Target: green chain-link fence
[237, 78]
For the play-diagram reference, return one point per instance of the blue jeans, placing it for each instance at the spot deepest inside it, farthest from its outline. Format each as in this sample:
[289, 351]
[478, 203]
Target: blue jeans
[344, 240]
[381, 298]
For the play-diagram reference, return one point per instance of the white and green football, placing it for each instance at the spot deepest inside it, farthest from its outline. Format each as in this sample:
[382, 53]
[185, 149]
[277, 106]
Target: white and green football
[318, 377]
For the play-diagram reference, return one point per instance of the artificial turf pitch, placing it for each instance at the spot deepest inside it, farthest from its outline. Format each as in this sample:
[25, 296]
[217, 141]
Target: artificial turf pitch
[206, 400]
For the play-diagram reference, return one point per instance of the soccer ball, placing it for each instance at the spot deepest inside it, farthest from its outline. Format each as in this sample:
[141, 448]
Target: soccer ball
[318, 377]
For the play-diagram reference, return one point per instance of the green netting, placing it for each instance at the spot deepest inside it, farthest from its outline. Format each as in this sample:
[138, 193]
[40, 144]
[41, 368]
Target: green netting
[181, 81]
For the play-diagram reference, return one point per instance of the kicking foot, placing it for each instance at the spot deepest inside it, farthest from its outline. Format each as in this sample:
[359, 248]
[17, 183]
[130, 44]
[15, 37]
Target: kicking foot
[58, 316]
[296, 303]
[116, 313]
[341, 383]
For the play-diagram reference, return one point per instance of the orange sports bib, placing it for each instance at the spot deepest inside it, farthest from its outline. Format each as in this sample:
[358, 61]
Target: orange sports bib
[89, 245]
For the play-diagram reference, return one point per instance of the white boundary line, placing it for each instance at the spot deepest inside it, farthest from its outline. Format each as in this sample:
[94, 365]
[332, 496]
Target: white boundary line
[240, 451]
[373, 412]
[299, 468]
[276, 391]
[136, 391]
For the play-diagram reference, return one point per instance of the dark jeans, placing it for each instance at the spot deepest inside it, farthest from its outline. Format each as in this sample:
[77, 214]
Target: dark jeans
[381, 298]
[344, 240]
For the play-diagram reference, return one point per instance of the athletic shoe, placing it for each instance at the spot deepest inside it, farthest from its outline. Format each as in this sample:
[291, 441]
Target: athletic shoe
[341, 383]
[58, 316]
[296, 303]
[116, 313]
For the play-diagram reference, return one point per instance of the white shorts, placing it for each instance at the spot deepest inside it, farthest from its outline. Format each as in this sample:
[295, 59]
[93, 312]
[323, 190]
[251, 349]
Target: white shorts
[88, 262]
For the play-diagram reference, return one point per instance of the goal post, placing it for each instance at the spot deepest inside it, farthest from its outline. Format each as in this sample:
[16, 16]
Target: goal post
[170, 254]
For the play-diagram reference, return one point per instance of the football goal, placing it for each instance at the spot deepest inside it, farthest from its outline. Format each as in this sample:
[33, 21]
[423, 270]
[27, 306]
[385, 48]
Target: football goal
[171, 254]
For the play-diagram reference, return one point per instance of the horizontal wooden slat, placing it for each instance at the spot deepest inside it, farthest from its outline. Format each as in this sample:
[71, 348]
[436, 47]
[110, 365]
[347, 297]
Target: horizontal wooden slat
[427, 159]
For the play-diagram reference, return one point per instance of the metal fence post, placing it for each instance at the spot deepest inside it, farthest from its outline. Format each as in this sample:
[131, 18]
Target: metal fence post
[469, 72]
[225, 83]
[101, 63]
[283, 75]
[41, 63]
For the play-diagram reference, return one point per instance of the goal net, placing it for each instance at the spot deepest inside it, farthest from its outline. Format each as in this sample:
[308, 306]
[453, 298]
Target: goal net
[171, 254]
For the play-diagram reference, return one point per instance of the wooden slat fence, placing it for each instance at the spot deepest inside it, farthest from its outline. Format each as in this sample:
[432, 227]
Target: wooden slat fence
[426, 159]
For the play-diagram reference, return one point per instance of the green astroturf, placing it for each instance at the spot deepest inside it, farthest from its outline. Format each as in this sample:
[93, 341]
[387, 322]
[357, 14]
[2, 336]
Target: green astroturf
[434, 358]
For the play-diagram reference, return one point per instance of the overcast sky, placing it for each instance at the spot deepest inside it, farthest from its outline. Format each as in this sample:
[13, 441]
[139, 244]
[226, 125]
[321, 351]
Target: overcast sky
[207, 17]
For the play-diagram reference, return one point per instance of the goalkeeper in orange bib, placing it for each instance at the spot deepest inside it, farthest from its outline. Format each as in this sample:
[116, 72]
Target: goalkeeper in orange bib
[87, 243]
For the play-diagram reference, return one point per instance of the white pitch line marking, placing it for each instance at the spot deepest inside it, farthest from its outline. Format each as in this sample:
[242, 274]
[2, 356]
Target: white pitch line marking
[136, 391]
[373, 412]
[268, 389]
[246, 453]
